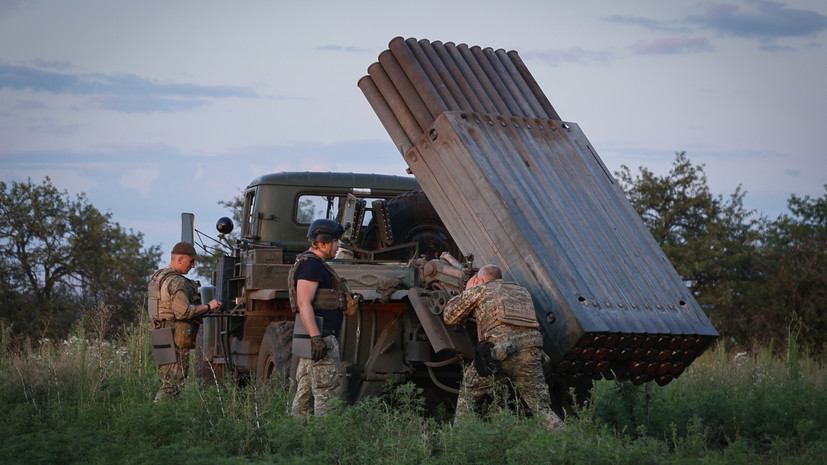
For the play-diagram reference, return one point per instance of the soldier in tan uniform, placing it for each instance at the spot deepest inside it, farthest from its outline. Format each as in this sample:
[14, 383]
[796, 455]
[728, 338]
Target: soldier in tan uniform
[179, 306]
[509, 339]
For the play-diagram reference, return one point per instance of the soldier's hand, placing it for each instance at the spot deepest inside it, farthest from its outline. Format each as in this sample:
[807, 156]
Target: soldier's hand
[317, 348]
[473, 282]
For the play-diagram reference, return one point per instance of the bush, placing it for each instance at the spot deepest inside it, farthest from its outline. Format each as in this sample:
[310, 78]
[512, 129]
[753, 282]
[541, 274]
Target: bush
[84, 400]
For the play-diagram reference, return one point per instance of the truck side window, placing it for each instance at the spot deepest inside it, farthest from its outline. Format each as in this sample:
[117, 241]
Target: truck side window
[250, 227]
[311, 207]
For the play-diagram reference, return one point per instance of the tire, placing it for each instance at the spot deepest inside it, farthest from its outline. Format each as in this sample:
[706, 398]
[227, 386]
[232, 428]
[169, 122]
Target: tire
[413, 219]
[275, 354]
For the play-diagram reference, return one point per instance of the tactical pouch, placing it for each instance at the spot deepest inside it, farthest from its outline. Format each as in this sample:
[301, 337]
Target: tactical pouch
[301, 338]
[185, 334]
[154, 296]
[163, 349]
[484, 361]
[503, 350]
[354, 302]
[326, 299]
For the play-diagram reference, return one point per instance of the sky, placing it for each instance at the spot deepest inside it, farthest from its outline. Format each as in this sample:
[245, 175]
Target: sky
[155, 108]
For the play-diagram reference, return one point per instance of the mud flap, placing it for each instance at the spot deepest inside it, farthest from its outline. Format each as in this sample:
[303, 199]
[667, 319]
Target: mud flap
[163, 348]
[301, 338]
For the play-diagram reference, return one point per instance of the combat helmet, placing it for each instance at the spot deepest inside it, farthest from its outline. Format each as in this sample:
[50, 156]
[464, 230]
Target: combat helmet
[323, 230]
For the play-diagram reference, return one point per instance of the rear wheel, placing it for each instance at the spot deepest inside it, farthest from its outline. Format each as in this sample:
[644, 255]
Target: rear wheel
[276, 354]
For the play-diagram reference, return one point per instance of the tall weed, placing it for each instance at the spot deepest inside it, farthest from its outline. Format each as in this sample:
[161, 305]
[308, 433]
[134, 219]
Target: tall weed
[86, 400]
[756, 398]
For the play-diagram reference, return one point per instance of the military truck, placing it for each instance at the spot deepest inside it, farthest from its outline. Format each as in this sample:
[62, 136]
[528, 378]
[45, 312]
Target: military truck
[395, 252]
[498, 177]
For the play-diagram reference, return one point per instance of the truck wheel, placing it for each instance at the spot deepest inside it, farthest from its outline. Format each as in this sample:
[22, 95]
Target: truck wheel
[275, 354]
[413, 219]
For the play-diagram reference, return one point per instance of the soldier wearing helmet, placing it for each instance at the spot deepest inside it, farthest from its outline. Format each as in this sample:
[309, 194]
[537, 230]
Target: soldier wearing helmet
[179, 306]
[317, 377]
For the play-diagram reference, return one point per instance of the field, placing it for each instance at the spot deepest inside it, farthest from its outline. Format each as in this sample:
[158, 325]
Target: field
[91, 402]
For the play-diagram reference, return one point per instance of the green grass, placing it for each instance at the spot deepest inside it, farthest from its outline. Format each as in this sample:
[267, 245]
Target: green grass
[90, 402]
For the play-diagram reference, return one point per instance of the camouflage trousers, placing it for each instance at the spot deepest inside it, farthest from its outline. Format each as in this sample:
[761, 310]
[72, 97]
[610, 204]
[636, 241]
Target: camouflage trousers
[172, 375]
[317, 383]
[524, 370]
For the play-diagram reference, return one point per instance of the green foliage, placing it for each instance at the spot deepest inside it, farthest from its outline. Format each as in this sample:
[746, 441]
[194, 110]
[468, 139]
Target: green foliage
[759, 400]
[60, 254]
[71, 403]
[753, 277]
[710, 240]
[794, 267]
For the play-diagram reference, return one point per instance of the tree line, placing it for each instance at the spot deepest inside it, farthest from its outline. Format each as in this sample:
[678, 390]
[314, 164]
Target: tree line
[62, 258]
[758, 279]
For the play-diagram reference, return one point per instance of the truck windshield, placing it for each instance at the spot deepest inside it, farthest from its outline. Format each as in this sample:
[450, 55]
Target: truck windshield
[314, 206]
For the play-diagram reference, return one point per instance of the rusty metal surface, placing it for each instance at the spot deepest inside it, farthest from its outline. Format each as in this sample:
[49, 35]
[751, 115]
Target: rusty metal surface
[415, 81]
[564, 229]
[517, 186]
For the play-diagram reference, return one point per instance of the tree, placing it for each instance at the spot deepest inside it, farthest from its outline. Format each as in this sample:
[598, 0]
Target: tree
[794, 268]
[711, 241]
[61, 255]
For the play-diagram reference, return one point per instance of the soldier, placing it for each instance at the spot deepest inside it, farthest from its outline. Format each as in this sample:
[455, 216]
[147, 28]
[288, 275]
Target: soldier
[510, 346]
[179, 305]
[317, 377]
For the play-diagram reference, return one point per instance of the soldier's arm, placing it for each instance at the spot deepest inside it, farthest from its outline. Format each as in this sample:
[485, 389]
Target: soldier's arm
[181, 306]
[460, 306]
[305, 291]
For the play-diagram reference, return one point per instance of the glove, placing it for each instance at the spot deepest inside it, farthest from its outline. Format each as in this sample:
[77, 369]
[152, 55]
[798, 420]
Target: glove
[317, 348]
[484, 362]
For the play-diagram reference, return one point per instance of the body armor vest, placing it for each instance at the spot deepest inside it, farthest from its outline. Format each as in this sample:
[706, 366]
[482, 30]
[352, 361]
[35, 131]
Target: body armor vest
[512, 306]
[160, 294]
[325, 299]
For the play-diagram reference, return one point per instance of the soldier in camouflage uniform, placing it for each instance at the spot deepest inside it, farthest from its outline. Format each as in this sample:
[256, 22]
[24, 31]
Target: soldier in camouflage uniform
[317, 378]
[179, 307]
[505, 319]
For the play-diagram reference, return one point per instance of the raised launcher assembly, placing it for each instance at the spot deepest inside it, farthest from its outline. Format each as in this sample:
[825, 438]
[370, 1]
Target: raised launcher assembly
[517, 186]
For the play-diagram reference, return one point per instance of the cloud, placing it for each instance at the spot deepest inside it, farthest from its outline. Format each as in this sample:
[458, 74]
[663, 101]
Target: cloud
[126, 93]
[26, 104]
[9, 6]
[52, 64]
[647, 23]
[670, 46]
[141, 178]
[339, 48]
[574, 55]
[53, 129]
[760, 19]
[146, 104]
[63, 179]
